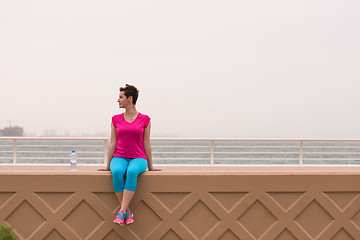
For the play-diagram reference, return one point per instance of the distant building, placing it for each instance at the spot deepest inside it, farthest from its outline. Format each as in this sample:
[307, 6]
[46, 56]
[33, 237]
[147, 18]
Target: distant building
[12, 131]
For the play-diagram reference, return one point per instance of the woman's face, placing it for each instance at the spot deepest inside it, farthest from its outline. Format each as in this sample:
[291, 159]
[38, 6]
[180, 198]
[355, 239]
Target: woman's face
[123, 100]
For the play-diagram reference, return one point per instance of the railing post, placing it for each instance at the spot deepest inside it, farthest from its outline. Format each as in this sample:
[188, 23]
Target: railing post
[212, 162]
[301, 161]
[105, 151]
[15, 154]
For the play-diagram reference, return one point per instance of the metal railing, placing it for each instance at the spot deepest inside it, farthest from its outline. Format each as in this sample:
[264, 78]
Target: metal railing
[52, 150]
[188, 151]
[261, 151]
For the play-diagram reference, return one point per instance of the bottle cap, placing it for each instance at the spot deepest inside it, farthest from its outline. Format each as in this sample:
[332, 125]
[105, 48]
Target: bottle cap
[73, 151]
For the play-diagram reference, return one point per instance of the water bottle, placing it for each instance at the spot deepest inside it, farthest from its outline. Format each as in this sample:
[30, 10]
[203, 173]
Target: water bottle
[73, 161]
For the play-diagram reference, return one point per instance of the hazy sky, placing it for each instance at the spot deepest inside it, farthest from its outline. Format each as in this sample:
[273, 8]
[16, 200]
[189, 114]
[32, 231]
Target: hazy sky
[209, 68]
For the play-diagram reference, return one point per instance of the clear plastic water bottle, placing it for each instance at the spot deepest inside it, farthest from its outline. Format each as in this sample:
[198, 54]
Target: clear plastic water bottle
[73, 161]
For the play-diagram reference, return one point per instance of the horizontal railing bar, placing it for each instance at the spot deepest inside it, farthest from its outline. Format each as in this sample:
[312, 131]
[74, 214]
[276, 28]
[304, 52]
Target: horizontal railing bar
[191, 139]
[204, 159]
[256, 153]
[330, 147]
[332, 153]
[56, 138]
[248, 159]
[60, 158]
[258, 139]
[180, 146]
[6, 151]
[286, 147]
[305, 159]
[331, 159]
[180, 152]
[170, 146]
[77, 152]
[72, 146]
[296, 147]
[286, 153]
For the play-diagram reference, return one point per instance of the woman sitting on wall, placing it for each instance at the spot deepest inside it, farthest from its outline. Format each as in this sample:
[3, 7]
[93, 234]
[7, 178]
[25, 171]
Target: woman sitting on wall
[129, 151]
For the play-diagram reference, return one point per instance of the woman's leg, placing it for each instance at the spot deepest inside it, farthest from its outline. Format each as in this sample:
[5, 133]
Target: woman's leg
[118, 168]
[127, 197]
[119, 197]
[136, 167]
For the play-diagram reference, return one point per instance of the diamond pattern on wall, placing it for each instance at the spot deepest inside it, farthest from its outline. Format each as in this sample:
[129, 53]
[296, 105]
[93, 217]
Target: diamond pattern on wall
[145, 220]
[26, 219]
[109, 199]
[342, 199]
[171, 235]
[314, 213]
[4, 197]
[199, 219]
[257, 219]
[112, 235]
[54, 200]
[356, 219]
[228, 235]
[285, 199]
[170, 199]
[228, 199]
[54, 235]
[285, 235]
[83, 215]
[250, 207]
[342, 235]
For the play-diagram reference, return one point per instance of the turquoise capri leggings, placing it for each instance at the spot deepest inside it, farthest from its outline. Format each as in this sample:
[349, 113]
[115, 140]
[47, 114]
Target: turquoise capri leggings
[132, 166]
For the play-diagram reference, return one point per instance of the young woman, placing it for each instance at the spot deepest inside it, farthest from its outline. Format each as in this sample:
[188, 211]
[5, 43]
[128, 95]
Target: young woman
[129, 151]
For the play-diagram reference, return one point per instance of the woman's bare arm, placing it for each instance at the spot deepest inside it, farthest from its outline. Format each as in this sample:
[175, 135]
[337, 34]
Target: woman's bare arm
[112, 146]
[147, 147]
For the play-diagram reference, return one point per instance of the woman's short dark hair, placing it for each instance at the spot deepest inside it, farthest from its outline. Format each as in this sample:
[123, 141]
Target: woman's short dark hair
[130, 90]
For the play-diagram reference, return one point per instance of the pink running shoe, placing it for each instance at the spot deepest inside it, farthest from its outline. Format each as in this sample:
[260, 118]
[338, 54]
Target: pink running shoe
[120, 218]
[129, 217]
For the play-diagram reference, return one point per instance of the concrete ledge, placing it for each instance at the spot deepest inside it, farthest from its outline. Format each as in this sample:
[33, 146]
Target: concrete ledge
[268, 169]
[185, 203]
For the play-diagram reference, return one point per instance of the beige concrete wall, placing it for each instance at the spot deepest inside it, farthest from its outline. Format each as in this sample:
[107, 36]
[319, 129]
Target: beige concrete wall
[184, 205]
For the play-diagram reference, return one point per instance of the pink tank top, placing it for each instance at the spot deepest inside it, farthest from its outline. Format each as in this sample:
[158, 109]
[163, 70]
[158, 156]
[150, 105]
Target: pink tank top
[130, 136]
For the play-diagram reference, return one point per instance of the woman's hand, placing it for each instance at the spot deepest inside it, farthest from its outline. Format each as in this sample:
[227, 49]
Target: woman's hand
[154, 169]
[104, 169]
